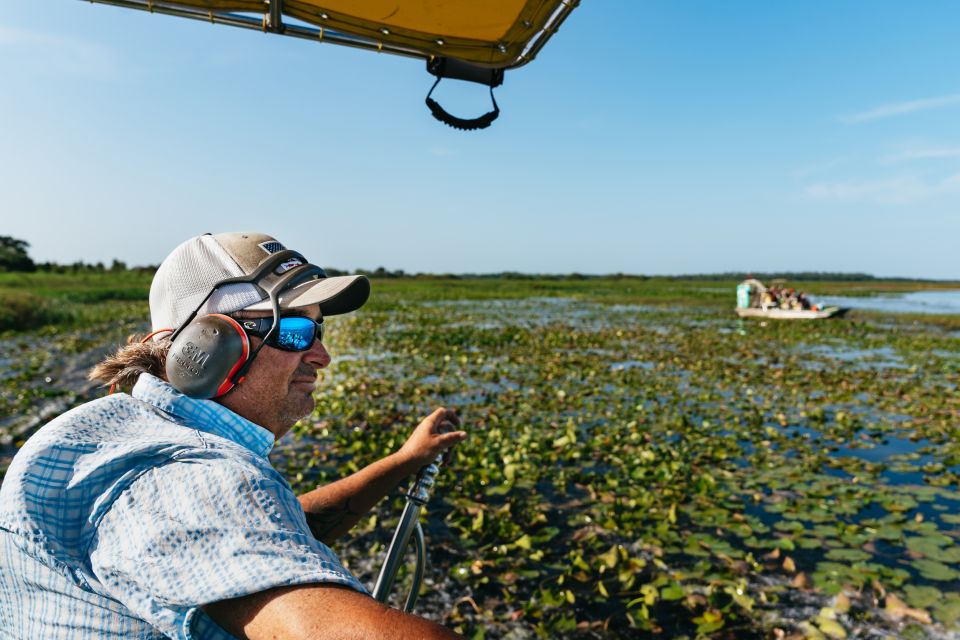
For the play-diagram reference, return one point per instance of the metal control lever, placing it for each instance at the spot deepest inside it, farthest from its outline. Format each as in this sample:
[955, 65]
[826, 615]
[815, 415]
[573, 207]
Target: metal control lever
[417, 497]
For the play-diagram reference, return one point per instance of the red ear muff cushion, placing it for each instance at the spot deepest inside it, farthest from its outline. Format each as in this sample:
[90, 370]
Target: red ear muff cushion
[205, 356]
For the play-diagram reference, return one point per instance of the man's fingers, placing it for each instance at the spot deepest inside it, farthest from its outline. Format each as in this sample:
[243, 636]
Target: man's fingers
[450, 439]
[445, 426]
[442, 413]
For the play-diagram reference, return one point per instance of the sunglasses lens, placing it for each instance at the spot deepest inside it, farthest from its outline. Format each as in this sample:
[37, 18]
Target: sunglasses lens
[297, 334]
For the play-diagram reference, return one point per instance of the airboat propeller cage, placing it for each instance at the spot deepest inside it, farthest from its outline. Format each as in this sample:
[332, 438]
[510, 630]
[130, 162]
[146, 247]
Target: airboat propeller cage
[480, 34]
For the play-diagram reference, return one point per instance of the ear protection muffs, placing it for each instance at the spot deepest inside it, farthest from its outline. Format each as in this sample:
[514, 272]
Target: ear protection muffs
[206, 355]
[209, 355]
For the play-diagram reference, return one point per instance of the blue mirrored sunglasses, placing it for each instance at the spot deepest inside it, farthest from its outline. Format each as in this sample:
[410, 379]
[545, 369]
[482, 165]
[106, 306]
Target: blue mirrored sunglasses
[296, 333]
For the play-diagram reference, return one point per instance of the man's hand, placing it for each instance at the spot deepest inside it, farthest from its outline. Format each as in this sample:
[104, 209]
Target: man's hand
[333, 509]
[436, 434]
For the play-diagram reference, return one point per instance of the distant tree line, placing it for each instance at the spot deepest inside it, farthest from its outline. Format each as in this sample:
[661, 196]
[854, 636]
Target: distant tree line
[796, 276]
[381, 272]
[117, 266]
[15, 257]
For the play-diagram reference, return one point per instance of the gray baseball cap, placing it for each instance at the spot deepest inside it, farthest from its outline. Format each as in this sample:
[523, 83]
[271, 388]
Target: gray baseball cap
[193, 268]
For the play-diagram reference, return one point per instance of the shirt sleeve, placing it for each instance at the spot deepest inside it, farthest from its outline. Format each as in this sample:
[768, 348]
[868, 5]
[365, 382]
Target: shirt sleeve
[204, 528]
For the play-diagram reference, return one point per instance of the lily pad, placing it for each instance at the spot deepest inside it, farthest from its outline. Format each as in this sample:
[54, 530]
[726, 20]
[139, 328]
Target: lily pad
[933, 570]
[672, 592]
[921, 597]
[849, 555]
[947, 611]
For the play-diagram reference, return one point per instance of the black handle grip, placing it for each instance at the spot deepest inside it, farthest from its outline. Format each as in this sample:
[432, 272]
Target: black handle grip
[463, 124]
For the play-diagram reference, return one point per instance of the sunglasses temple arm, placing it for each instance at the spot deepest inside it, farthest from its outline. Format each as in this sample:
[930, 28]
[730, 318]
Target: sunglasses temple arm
[242, 371]
[274, 328]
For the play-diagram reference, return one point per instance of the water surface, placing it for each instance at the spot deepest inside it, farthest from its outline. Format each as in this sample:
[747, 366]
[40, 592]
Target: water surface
[938, 302]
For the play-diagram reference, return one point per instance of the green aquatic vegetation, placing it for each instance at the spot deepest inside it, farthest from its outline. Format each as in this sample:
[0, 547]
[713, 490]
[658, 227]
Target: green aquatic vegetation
[681, 494]
[933, 570]
[947, 610]
[641, 464]
[44, 370]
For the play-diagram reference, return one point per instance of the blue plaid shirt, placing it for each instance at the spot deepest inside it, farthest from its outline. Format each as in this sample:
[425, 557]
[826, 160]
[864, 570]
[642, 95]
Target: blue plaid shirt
[124, 515]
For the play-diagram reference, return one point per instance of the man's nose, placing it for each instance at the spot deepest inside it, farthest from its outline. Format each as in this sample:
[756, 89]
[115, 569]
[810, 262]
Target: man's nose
[317, 355]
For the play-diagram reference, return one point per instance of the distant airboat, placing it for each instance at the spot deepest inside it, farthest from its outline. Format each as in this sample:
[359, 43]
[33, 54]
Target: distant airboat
[755, 300]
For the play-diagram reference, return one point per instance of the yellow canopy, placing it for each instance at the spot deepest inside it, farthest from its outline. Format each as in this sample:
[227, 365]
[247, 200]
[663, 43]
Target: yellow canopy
[495, 33]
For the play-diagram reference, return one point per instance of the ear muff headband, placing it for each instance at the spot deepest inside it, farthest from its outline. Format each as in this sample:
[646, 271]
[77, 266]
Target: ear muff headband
[268, 278]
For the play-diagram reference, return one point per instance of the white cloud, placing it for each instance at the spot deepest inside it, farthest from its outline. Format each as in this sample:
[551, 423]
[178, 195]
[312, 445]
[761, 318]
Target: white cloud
[899, 190]
[921, 154]
[803, 172]
[901, 108]
[58, 53]
[952, 182]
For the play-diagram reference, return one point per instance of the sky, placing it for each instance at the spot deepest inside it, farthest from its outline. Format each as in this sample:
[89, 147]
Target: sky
[653, 137]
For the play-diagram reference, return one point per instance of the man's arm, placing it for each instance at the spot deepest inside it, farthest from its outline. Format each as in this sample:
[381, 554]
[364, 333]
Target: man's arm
[319, 612]
[333, 509]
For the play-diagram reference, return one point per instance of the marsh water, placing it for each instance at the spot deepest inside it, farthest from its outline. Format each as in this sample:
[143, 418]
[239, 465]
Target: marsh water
[932, 302]
[634, 469]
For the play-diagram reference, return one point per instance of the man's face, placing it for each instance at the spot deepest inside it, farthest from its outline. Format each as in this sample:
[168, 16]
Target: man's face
[278, 387]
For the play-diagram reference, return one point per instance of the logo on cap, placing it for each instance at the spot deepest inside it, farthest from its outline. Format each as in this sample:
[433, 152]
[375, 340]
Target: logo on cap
[289, 264]
[271, 246]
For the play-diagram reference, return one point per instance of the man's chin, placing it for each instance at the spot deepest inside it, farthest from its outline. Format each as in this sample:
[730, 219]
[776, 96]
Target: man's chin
[296, 411]
[303, 406]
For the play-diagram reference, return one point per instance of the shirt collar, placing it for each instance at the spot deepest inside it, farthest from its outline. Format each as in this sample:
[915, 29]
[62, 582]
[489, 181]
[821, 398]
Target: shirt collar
[205, 415]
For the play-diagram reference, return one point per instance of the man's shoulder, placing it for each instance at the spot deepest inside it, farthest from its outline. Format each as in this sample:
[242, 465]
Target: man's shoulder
[71, 471]
[114, 420]
[112, 436]
[90, 450]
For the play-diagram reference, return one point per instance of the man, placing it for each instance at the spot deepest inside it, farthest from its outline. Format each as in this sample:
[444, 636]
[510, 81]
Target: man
[157, 514]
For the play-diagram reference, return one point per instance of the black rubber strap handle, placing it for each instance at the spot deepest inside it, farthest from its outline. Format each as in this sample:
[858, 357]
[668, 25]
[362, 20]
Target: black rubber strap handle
[471, 124]
[459, 70]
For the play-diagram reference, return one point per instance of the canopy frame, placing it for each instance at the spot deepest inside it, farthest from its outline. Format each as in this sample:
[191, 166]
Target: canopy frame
[272, 22]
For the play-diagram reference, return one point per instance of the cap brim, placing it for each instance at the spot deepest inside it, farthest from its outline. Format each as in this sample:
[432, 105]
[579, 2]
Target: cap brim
[336, 295]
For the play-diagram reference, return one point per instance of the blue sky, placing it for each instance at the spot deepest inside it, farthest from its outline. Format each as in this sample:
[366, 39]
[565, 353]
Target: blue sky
[647, 137]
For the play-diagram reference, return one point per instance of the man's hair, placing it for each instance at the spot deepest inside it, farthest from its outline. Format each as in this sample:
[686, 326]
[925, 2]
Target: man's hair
[123, 367]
